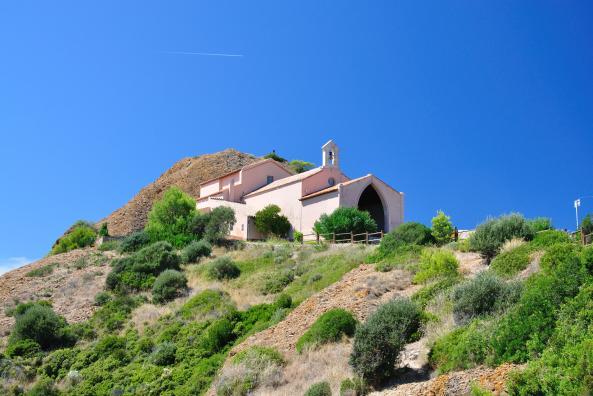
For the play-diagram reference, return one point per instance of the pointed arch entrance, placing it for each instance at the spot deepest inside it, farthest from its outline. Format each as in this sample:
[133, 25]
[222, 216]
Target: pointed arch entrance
[371, 202]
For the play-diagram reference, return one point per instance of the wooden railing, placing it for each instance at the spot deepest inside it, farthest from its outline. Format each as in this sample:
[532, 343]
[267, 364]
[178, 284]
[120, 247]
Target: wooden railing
[345, 237]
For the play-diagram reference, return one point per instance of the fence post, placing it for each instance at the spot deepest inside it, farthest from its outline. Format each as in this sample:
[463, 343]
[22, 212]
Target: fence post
[334, 238]
[366, 238]
[456, 237]
[351, 236]
[317, 237]
[583, 237]
[381, 234]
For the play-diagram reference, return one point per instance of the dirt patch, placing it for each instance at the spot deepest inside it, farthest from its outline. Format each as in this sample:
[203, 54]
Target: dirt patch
[360, 291]
[470, 264]
[70, 282]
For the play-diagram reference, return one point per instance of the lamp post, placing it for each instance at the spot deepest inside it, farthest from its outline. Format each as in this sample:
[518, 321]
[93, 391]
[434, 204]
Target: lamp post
[577, 203]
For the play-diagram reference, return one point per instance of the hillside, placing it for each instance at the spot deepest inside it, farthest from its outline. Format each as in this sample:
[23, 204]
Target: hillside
[186, 174]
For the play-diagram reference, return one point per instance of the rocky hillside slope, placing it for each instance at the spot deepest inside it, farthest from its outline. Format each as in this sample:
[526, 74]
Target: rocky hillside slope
[186, 174]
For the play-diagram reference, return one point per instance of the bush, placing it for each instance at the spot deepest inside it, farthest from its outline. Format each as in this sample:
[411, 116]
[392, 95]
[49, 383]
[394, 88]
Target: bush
[42, 325]
[196, 250]
[436, 263]
[329, 327]
[345, 220]
[26, 348]
[223, 268]
[82, 234]
[134, 242]
[206, 305]
[548, 238]
[490, 235]
[406, 234]
[587, 258]
[276, 282]
[216, 225]
[103, 231]
[319, 389]
[259, 356]
[107, 246]
[540, 224]
[217, 336]
[168, 286]
[297, 236]
[42, 271]
[442, 228]
[587, 225]
[164, 354]
[299, 166]
[283, 301]
[483, 295]
[102, 298]
[44, 387]
[269, 221]
[171, 217]
[379, 341]
[510, 263]
[353, 387]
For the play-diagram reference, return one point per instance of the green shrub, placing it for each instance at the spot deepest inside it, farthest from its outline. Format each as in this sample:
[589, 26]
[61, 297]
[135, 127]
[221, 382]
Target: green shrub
[108, 246]
[404, 256]
[442, 228]
[168, 286]
[587, 258]
[82, 234]
[102, 298]
[217, 336]
[164, 354]
[587, 225]
[512, 262]
[299, 166]
[435, 264]
[406, 234]
[259, 356]
[214, 226]
[283, 301]
[463, 348]
[493, 233]
[345, 220]
[379, 341]
[275, 157]
[329, 327]
[207, 304]
[171, 217]
[42, 325]
[483, 295]
[42, 271]
[223, 268]
[277, 281]
[353, 387]
[297, 236]
[43, 387]
[544, 239]
[196, 250]
[103, 231]
[540, 224]
[112, 315]
[319, 389]
[427, 293]
[270, 222]
[134, 242]
[26, 348]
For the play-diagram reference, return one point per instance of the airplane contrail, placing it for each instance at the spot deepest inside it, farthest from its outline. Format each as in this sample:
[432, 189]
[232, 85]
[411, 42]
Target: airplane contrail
[204, 54]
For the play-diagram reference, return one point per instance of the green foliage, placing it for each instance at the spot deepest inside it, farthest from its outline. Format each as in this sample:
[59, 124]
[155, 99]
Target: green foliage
[510, 263]
[164, 354]
[540, 224]
[102, 298]
[112, 315]
[345, 220]
[42, 271]
[299, 166]
[25, 348]
[196, 250]
[256, 355]
[168, 286]
[134, 242]
[587, 258]
[275, 157]
[483, 295]
[566, 365]
[528, 326]
[207, 304]
[80, 235]
[353, 387]
[406, 234]
[587, 224]
[329, 327]
[463, 348]
[493, 233]
[139, 270]
[319, 389]
[223, 268]
[107, 246]
[42, 325]
[298, 236]
[215, 225]
[423, 296]
[103, 231]
[548, 238]
[269, 221]
[277, 281]
[379, 341]
[442, 228]
[43, 387]
[171, 217]
[404, 256]
[435, 264]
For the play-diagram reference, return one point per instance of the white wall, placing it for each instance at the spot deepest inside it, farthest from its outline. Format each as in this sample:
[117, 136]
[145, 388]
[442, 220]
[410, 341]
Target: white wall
[314, 207]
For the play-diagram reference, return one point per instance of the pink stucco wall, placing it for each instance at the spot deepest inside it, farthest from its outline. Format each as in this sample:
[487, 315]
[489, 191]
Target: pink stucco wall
[319, 181]
[253, 178]
[314, 207]
[285, 197]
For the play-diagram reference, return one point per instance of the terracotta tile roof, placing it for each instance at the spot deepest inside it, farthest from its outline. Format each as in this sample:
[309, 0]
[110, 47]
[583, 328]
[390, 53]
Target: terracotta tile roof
[286, 180]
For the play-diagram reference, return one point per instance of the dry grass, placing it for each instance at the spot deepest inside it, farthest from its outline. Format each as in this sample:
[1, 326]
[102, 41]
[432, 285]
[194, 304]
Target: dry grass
[328, 363]
[511, 244]
[148, 314]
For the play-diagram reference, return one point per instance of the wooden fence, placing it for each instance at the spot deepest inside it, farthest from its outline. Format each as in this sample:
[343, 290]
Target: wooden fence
[345, 237]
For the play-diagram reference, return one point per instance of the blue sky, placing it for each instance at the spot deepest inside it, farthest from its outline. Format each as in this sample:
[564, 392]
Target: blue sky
[476, 108]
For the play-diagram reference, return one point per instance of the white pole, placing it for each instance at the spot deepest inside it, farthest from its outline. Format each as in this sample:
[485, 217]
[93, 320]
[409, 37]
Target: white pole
[577, 203]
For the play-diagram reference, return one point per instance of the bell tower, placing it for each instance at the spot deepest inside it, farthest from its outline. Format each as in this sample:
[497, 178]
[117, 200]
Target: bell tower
[330, 154]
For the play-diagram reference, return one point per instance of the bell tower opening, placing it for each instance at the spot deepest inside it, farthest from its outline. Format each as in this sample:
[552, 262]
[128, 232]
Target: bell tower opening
[371, 202]
[329, 153]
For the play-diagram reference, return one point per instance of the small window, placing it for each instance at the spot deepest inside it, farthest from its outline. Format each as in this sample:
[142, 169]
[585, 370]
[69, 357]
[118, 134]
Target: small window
[331, 181]
[269, 179]
[242, 227]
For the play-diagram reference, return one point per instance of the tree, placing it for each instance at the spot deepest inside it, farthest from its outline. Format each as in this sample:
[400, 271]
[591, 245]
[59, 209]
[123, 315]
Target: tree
[275, 157]
[218, 224]
[269, 221]
[442, 229]
[171, 217]
[587, 225]
[41, 324]
[80, 235]
[343, 220]
[103, 231]
[299, 166]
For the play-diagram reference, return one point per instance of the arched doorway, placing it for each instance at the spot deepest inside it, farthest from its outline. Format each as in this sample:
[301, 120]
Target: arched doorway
[371, 202]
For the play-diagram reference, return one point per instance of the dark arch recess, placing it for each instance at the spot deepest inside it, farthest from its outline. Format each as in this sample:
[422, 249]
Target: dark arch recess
[371, 202]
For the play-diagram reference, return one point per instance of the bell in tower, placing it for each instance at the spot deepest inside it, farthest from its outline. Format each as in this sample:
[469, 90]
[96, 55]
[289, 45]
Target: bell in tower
[330, 154]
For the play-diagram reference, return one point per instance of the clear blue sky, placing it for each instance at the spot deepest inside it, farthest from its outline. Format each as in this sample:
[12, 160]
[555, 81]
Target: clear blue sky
[476, 108]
